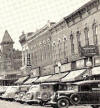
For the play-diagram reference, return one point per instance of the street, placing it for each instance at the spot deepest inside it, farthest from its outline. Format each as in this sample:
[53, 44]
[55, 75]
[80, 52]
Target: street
[7, 104]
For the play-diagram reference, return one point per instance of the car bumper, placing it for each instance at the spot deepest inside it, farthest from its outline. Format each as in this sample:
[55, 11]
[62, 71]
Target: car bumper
[51, 102]
[30, 101]
[7, 98]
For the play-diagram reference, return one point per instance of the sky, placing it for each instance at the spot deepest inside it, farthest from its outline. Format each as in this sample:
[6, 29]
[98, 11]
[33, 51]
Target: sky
[17, 16]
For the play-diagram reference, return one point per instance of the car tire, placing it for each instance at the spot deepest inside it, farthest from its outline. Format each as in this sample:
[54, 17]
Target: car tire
[42, 103]
[95, 106]
[63, 103]
[75, 99]
[54, 106]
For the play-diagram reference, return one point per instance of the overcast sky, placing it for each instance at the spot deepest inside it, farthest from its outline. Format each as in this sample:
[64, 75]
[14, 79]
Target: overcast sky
[28, 15]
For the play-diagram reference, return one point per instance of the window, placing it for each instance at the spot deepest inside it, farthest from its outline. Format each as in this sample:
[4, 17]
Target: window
[72, 43]
[86, 88]
[28, 59]
[73, 65]
[86, 30]
[94, 29]
[59, 47]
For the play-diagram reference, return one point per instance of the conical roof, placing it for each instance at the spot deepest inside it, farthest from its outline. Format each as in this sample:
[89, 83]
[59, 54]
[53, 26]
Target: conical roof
[7, 38]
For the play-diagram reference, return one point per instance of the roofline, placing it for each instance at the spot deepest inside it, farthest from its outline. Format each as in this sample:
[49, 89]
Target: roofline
[83, 6]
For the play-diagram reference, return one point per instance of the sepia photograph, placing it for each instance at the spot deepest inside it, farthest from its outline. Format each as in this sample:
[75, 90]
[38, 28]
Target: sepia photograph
[49, 54]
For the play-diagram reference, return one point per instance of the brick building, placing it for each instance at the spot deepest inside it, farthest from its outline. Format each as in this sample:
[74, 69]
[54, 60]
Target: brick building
[67, 45]
[10, 60]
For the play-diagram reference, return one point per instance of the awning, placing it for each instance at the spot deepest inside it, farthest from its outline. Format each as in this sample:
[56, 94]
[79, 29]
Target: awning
[21, 80]
[96, 71]
[56, 77]
[74, 75]
[42, 79]
[30, 80]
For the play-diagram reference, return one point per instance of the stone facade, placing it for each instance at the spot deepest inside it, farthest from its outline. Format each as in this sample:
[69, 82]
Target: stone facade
[10, 59]
[63, 42]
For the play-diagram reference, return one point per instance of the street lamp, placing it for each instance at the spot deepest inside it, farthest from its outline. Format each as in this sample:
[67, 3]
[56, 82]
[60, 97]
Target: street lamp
[59, 66]
[89, 66]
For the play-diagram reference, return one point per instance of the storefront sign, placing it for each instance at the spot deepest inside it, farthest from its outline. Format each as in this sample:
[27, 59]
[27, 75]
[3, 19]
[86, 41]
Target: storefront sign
[66, 67]
[47, 70]
[35, 72]
[97, 61]
[89, 51]
[56, 69]
[80, 64]
[63, 68]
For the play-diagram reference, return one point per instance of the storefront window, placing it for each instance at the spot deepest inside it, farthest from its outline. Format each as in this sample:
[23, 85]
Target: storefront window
[97, 61]
[80, 64]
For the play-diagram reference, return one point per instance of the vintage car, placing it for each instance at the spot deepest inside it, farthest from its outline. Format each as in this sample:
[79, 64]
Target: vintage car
[21, 92]
[31, 95]
[2, 90]
[79, 93]
[48, 89]
[10, 93]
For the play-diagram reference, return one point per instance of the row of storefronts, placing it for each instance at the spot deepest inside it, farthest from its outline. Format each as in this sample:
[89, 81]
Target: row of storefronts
[65, 77]
[66, 51]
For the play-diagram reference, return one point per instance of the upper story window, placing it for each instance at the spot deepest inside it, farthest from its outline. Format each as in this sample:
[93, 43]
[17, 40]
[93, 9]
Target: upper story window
[86, 31]
[94, 29]
[28, 59]
[72, 42]
[78, 36]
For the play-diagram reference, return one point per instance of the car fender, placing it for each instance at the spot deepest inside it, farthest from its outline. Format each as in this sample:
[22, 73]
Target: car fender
[63, 97]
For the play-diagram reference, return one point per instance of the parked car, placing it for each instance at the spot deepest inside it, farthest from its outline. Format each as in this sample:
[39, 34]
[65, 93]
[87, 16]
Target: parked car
[79, 93]
[21, 92]
[48, 89]
[31, 95]
[10, 93]
[2, 90]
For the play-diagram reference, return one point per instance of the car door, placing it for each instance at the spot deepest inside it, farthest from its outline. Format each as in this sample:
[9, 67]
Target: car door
[85, 94]
[95, 95]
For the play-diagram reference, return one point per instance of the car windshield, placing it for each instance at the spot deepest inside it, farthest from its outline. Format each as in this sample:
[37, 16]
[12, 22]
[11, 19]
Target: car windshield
[72, 87]
[24, 88]
[34, 88]
[62, 87]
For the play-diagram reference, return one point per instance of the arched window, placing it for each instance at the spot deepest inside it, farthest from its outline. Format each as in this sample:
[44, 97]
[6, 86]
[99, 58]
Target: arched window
[72, 43]
[94, 29]
[86, 30]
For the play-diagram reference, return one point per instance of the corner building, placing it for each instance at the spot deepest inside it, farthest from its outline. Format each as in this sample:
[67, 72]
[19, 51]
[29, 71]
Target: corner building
[72, 42]
[10, 61]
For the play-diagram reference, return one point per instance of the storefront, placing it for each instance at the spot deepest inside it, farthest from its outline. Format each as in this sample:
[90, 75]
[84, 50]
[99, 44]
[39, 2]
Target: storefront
[21, 80]
[42, 79]
[76, 75]
[30, 80]
[56, 77]
[96, 73]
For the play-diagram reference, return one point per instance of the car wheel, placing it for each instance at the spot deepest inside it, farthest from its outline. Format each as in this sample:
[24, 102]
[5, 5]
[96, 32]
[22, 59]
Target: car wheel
[42, 103]
[54, 106]
[94, 106]
[63, 103]
[75, 99]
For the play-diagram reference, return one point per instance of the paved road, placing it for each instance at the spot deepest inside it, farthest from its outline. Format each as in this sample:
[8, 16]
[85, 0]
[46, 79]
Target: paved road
[7, 104]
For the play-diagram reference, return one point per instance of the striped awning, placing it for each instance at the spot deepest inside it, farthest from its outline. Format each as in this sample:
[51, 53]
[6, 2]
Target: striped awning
[74, 75]
[56, 77]
[21, 80]
[42, 79]
[30, 80]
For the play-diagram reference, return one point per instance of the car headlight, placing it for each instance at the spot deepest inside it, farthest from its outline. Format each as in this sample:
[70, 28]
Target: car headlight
[57, 95]
[38, 94]
[30, 96]
[45, 96]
